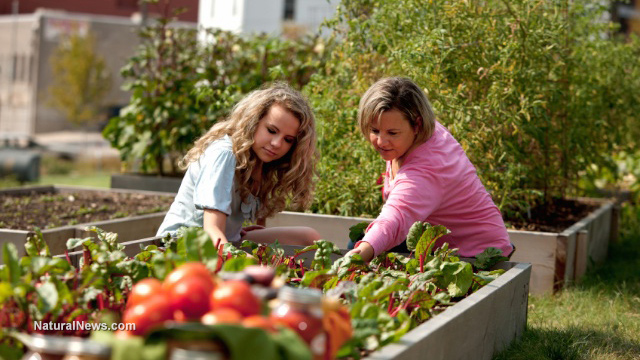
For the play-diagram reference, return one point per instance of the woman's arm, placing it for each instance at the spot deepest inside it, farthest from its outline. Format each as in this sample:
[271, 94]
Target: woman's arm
[214, 223]
[415, 195]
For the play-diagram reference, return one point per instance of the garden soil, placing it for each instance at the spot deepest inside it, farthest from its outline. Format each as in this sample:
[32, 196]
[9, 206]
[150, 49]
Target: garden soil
[51, 210]
[556, 216]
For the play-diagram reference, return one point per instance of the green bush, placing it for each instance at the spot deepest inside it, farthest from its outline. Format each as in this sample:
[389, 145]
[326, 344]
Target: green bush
[181, 87]
[535, 91]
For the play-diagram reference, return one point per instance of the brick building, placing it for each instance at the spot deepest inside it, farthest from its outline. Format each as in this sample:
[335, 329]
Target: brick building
[124, 8]
[27, 42]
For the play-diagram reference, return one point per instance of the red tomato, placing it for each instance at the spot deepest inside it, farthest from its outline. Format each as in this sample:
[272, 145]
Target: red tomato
[149, 314]
[191, 296]
[221, 316]
[187, 270]
[258, 321]
[237, 295]
[144, 290]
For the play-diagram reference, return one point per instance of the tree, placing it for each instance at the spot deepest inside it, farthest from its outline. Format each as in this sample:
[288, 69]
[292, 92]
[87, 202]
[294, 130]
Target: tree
[80, 79]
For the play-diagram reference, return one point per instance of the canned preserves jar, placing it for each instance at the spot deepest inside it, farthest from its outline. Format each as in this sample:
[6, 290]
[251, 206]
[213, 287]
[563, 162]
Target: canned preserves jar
[301, 310]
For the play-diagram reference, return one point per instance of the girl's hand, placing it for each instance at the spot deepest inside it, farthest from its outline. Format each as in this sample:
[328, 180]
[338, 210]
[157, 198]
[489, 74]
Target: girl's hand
[245, 230]
[217, 242]
[364, 249]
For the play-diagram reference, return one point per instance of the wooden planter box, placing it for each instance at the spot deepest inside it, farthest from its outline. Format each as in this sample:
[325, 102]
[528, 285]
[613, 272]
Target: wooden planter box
[561, 258]
[477, 327]
[127, 228]
[146, 182]
[557, 258]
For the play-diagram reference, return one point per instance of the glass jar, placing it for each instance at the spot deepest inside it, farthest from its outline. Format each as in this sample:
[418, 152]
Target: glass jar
[196, 350]
[49, 347]
[87, 350]
[300, 309]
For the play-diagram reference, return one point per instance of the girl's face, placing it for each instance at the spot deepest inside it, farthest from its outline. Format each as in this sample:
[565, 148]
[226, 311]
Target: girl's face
[276, 134]
[392, 135]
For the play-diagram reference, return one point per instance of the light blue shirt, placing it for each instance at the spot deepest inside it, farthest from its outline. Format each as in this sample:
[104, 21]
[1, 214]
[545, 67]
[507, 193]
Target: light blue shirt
[210, 183]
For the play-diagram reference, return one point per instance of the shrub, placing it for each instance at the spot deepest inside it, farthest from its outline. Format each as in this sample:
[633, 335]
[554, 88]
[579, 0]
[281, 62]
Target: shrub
[181, 87]
[535, 92]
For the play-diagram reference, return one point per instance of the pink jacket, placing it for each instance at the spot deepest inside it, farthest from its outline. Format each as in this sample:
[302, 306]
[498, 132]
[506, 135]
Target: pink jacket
[437, 183]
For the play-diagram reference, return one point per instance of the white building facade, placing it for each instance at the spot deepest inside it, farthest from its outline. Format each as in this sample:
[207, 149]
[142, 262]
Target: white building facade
[264, 16]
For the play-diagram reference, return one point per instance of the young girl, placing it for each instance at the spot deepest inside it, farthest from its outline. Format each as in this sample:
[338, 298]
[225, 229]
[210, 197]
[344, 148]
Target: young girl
[245, 169]
[429, 177]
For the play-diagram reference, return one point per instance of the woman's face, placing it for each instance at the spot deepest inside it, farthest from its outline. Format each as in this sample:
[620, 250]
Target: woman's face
[276, 134]
[392, 135]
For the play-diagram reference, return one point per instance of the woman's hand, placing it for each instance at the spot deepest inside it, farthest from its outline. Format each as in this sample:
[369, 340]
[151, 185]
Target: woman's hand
[364, 249]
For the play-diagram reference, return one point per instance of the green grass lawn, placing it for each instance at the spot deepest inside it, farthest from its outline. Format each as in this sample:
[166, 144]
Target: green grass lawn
[98, 179]
[599, 318]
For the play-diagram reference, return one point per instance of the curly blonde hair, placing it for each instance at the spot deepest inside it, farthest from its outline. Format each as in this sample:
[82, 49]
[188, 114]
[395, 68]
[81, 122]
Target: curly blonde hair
[290, 177]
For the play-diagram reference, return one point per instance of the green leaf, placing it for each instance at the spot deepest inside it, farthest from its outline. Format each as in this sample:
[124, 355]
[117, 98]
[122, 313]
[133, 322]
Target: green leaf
[429, 237]
[10, 257]
[47, 296]
[488, 258]
[356, 232]
[36, 246]
[238, 264]
[415, 232]
[456, 278]
[41, 265]
[6, 291]
[388, 288]
[75, 242]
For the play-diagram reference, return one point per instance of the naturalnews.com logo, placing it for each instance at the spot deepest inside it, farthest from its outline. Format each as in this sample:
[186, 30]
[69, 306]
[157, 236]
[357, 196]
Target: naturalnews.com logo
[82, 326]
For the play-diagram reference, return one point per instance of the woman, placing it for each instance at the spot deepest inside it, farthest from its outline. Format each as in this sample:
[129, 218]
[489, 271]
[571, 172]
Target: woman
[428, 178]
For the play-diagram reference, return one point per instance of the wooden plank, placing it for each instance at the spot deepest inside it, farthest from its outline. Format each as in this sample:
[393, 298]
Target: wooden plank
[15, 237]
[70, 188]
[538, 249]
[497, 315]
[57, 238]
[331, 227]
[599, 227]
[27, 190]
[565, 259]
[582, 254]
[128, 229]
[131, 249]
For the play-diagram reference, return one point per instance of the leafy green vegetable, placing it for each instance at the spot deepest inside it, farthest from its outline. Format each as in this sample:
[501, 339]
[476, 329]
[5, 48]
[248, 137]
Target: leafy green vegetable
[489, 257]
[356, 232]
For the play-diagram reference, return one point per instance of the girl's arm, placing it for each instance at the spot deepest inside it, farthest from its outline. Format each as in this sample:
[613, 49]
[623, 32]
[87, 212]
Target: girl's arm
[214, 224]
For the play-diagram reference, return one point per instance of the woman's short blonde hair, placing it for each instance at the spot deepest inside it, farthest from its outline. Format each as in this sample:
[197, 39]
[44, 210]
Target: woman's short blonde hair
[403, 95]
[288, 178]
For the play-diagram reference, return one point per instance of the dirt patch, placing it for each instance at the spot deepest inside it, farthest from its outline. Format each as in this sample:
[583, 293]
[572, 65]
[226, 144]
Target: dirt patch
[557, 216]
[51, 210]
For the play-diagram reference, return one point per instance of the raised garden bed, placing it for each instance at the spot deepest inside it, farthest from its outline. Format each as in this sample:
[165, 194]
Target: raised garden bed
[146, 182]
[497, 313]
[63, 212]
[558, 258]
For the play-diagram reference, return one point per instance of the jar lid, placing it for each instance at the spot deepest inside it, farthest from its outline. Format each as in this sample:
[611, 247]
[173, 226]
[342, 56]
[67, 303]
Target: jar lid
[300, 295]
[60, 345]
[89, 347]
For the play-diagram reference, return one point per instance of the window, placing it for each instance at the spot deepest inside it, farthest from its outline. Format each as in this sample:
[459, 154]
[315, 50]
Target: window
[213, 8]
[289, 9]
